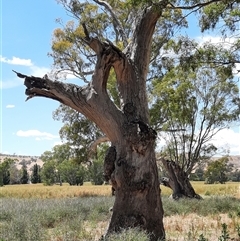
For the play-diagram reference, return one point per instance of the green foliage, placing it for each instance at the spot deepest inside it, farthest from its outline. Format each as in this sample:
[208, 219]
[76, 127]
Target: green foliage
[217, 171]
[198, 175]
[78, 132]
[35, 177]
[226, 12]
[95, 170]
[48, 172]
[71, 172]
[15, 174]
[5, 170]
[69, 218]
[25, 177]
[225, 235]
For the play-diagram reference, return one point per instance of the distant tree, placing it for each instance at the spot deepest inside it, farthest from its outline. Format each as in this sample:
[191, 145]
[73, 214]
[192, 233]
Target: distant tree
[48, 172]
[71, 172]
[192, 104]
[96, 168]
[15, 174]
[217, 171]
[198, 175]
[235, 175]
[95, 172]
[35, 177]
[5, 170]
[25, 177]
[78, 132]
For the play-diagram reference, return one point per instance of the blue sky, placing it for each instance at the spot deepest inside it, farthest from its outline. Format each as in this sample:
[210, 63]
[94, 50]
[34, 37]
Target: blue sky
[27, 128]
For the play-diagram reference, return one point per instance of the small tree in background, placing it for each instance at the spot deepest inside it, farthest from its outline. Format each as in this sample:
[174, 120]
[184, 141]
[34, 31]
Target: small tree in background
[25, 177]
[48, 172]
[71, 172]
[35, 177]
[217, 171]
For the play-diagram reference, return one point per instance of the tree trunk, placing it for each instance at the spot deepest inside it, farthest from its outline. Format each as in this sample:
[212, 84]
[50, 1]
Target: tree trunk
[132, 171]
[178, 181]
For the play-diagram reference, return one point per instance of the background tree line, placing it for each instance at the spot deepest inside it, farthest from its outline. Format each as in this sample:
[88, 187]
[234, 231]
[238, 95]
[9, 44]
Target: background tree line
[69, 171]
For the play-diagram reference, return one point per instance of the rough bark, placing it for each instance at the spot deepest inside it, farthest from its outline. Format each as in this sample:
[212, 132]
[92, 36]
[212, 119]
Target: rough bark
[132, 171]
[178, 181]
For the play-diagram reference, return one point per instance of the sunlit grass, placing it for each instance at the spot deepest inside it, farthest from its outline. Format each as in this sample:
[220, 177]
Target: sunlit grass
[56, 191]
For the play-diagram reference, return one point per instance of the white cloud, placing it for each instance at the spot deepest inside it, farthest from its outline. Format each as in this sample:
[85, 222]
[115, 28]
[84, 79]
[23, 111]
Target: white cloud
[32, 70]
[226, 42]
[10, 106]
[11, 83]
[38, 71]
[56, 143]
[16, 61]
[39, 136]
[226, 139]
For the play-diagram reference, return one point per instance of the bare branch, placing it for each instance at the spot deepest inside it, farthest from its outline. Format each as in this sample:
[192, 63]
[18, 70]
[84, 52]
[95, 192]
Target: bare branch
[93, 147]
[85, 100]
[115, 20]
[198, 5]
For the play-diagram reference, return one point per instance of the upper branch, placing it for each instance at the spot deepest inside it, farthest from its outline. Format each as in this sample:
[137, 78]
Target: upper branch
[198, 5]
[142, 37]
[116, 22]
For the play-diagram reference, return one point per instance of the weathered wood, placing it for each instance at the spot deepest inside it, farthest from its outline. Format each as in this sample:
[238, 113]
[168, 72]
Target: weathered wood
[178, 181]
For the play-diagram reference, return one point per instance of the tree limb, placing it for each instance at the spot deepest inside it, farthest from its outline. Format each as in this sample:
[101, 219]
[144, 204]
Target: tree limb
[198, 5]
[82, 99]
[115, 20]
[93, 147]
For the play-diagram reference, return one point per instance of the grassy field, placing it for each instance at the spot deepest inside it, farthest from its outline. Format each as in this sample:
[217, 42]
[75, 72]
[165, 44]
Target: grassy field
[56, 191]
[81, 213]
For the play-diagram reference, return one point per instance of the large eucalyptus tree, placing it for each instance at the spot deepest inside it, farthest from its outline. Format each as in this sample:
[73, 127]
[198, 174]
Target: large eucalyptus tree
[120, 39]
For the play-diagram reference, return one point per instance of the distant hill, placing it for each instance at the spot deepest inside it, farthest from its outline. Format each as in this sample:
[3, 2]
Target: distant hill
[234, 160]
[30, 161]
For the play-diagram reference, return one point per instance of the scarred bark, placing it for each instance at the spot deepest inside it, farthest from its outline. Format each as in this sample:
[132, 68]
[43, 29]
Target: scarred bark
[135, 181]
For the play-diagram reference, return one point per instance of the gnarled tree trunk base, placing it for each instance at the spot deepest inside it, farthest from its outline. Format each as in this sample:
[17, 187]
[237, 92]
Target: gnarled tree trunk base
[178, 181]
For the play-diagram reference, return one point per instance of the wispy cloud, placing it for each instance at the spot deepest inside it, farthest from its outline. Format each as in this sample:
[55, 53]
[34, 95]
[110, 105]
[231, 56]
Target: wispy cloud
[226, 139]
[16, 61]
[10, 106]
[39, 136]
[31, 70]
[39, 71]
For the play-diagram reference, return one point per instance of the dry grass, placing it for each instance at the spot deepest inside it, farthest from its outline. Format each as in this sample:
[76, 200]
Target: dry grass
[56, 191]
[59, 216]
[191, 226]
